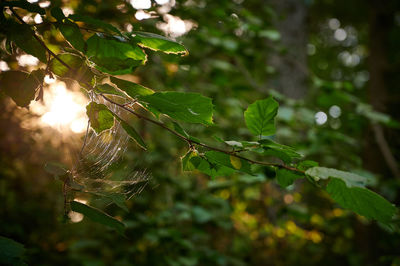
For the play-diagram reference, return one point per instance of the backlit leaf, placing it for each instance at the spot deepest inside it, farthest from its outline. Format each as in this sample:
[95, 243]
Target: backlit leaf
[158, 43]
[114, 56]
[98, 216]
[78, 71]
[100, 117]
[20, 86]
[132, 89]
[272, 148]
[187, 107]
[72, 34]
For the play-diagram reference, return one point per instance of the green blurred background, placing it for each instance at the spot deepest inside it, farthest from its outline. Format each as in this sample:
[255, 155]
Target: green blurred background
[334, 68]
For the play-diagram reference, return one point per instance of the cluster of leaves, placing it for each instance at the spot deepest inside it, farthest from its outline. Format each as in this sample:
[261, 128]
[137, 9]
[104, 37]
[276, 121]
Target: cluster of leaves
[94, 61]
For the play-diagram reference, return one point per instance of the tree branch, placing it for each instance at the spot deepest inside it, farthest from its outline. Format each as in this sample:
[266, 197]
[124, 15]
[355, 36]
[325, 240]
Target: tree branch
[160, 124]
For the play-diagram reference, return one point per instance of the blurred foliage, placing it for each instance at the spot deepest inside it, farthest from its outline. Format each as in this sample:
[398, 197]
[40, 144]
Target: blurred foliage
[189, 219]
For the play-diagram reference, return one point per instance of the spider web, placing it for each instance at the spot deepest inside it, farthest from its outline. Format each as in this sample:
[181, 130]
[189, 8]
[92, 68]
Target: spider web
[100, 168]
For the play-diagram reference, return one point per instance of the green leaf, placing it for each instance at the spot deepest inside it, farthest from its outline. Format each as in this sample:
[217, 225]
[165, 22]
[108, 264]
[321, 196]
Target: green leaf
[56, 169]
[79, 70]
[224, 159]
[186, 164]
[25, 5]
[272, 148]
[114, 56]
[21, 86]
[98, 216]
[132, 89]
[158, 43]
[187, 107]
[286, 177]
[361, 200]
[304, 165]
[22, 36]
[100, 117]
[72, 34]
[11, 252]
[131, 132]
[95, 22]
[108, 89]
[260, 117]
[351, 180]
[115, 197]
[209, 168]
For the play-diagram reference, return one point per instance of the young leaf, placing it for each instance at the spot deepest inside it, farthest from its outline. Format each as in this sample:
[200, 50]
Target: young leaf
[260, 117]
[11, 252]
[95, 22]
[186, 164]
[132, 89]
[158, 43]
[114, 56]
[98, 216]
[361, 200]
[285, 153]
[286, 177]
[187, 107]
[351, 180]
[100, 117]
[72, 34]
[20, 86]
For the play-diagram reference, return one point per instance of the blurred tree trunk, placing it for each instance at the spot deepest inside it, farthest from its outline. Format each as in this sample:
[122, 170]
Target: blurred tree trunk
[290, 62]
[378, 156]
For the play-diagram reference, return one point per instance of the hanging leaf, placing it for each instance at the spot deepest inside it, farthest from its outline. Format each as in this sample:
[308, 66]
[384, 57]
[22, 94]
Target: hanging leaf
[361, 200]
[55, 169]
[131, 132]
[95, 23]
[272, 148]
[100, 117]
[260, 117]
[187, 107]
[132, 89]
[78, 71]
[286, 177]
[21, 86]
[22, 36]
[158, 43]
[98, 216]
[351, 179]
[186, 164]
[113, 56]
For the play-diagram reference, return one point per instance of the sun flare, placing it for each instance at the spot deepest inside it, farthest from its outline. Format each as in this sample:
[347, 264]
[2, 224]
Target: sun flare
[62, 109]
